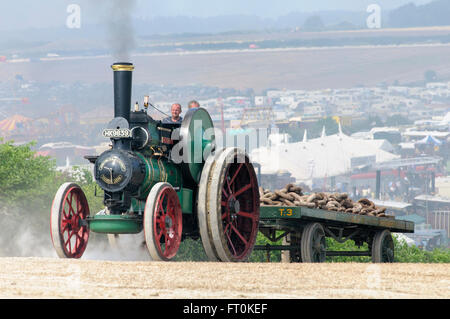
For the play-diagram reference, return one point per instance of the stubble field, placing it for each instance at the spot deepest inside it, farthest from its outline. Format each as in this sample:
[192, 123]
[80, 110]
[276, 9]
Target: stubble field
[38, 277]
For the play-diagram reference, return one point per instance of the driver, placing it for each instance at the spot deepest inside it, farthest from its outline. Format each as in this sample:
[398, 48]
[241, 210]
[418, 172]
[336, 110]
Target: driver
[175, 118]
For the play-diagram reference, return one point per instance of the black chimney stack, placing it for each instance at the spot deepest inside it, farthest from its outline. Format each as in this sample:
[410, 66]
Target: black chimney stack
[123, 72]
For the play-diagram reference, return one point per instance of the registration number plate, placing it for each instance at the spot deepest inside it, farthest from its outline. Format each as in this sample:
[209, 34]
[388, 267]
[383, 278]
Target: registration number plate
[117, 133]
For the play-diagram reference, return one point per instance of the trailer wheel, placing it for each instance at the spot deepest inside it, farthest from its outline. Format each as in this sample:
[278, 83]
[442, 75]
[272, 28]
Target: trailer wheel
[162, 222]
[292, 256]
[68, 229]
[383, 247]
[313, 243]
[202, 213]
[233, 205]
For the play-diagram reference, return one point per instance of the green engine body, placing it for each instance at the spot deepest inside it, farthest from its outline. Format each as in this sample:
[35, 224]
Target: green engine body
[154, 152]
[143, 153]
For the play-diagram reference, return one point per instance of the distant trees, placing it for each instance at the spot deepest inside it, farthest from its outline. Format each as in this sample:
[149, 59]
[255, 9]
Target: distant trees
[30, 181]
[434, 13]
[24, 177]
[332, 127]
[315, 131]
[27, 185]
[344, 25]
[313, 23]
[366, 124]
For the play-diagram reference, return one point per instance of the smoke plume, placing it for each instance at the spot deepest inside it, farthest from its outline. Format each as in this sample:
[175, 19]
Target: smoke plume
[118, 20]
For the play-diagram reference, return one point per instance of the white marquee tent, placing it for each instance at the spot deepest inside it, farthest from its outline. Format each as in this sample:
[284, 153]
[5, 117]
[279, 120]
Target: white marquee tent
[322, 157]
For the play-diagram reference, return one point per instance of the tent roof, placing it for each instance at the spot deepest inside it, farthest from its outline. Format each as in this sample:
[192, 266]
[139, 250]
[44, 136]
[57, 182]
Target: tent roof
[431, 198]
[429, 140]
[62, 145]
[12, 122]
[426, 133]
[318, 158]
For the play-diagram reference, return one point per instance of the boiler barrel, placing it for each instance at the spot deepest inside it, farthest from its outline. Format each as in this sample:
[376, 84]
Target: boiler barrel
[158, 169]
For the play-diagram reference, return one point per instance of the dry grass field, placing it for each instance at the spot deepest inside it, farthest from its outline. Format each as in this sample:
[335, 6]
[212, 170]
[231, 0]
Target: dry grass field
[297, 68]
[58, 278]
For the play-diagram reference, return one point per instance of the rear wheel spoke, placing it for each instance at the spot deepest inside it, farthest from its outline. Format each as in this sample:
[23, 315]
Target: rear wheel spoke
[159, 235]
[243, 189]
[225, 193]
[247, 215]
[231, 243]
[239, 234]
[226, 228]
[235, 174]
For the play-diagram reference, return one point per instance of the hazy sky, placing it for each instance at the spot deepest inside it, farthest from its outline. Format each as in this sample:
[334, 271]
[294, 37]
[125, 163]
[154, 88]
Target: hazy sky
[23, 14]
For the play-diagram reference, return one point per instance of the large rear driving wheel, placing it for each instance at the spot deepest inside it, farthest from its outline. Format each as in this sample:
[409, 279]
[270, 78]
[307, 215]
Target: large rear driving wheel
[233, 205]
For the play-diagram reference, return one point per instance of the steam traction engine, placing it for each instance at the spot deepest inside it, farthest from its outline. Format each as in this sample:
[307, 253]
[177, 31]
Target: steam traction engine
[166, 180]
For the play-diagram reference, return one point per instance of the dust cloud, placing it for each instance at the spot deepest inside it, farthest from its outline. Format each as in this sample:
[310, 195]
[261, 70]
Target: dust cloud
[24, 234]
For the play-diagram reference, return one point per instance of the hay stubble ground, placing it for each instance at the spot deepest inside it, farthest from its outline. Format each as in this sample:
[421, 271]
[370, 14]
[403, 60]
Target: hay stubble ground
[35, 277]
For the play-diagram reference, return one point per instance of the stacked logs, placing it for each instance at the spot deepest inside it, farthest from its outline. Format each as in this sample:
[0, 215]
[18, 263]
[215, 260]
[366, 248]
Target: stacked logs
[292, 195]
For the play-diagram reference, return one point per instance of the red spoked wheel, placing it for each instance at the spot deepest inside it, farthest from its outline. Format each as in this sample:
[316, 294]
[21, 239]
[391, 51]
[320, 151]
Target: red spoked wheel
[68, 227]
[163, 222]
[233, 205]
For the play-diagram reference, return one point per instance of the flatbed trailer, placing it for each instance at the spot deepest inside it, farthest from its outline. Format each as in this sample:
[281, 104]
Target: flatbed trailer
[304, 230]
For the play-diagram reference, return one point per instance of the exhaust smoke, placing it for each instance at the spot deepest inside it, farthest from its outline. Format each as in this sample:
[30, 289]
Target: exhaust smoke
[118, 20]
